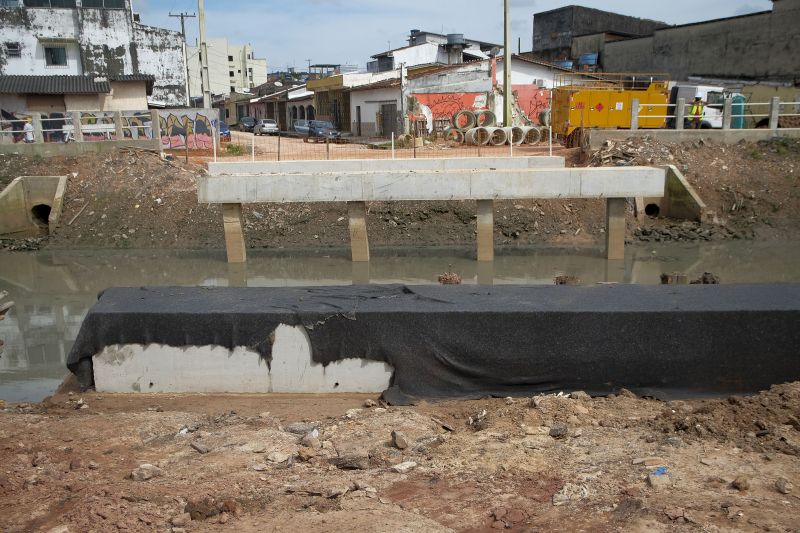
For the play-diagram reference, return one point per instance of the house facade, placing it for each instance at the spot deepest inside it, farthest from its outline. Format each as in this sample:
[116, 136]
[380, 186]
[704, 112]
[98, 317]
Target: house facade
[85, 42]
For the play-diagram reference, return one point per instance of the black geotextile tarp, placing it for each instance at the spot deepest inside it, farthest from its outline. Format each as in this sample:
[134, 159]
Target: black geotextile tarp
[463, 341]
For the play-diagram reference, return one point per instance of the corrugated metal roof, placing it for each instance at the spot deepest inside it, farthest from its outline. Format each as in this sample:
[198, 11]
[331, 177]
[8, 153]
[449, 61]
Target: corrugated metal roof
[53, 85]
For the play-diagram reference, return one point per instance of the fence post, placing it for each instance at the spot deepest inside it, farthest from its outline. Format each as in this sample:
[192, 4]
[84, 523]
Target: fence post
[36, 122]
[635, 114]
[155, 127]
[727, 109]
[77, 131]
[253, 147]
[774, 113]
[118, 132]
[214, 137]
[680, 113]
[392, 145]
[551, 140]
[279, 145]
[414, 138]
[327, 148]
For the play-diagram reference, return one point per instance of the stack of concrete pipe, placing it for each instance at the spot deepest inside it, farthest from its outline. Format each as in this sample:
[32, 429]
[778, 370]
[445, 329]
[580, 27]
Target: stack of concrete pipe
[477, 128]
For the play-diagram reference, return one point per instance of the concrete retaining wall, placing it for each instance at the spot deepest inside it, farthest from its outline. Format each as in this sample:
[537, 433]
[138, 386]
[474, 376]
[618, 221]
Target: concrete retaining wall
[22, 195]
[365, 165]
[597, 137]
[74, 149]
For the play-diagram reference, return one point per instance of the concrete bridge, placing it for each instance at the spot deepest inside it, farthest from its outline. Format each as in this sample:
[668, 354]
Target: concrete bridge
[481, 179]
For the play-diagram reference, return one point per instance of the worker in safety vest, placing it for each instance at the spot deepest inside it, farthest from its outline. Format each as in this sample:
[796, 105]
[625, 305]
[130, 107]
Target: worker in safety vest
[696, 113]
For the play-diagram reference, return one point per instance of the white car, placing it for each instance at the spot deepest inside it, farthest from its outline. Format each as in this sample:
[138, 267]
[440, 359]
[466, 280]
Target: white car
[266, 126]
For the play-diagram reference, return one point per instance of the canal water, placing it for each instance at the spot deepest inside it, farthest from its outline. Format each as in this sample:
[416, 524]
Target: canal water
[53, 290]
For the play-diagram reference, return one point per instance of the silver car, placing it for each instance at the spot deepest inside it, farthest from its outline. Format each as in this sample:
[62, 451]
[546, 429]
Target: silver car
[266, 126]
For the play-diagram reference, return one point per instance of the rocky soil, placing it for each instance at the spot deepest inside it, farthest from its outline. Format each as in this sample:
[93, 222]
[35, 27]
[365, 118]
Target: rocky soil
[132, 199]
[100, 462]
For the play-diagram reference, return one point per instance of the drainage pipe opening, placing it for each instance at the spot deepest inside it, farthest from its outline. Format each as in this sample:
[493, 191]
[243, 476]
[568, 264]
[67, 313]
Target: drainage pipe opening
[651, 210]
[41, 214]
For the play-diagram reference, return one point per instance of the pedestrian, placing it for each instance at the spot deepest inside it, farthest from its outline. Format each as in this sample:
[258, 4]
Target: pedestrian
[696, 113]
[27, 129]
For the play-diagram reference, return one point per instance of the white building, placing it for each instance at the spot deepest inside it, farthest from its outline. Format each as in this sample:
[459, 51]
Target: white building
[427, 48]
[231, 68]
[88, 42]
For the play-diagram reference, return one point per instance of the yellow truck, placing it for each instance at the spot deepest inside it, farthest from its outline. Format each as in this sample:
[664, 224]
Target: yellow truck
[602, 100]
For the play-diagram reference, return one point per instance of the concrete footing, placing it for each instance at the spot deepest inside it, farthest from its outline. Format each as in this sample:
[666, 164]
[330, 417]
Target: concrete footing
[30, 205]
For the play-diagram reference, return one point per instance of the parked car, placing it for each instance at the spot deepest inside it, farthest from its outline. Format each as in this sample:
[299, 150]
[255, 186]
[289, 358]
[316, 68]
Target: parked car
[224, 132]
[322, 130]
[266, 126]
[247, 124]
[301, 126]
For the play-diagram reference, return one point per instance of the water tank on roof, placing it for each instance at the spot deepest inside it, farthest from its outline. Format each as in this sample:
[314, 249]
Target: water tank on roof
[454, 39]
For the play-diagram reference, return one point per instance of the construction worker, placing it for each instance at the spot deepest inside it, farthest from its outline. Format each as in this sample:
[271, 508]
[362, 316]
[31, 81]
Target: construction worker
[27, 129]
[696, 112]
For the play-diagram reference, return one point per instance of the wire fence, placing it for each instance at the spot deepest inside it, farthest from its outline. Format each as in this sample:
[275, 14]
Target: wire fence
[294, 147]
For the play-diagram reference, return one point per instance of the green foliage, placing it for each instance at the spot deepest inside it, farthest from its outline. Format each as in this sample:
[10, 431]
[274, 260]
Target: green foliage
[234, 149]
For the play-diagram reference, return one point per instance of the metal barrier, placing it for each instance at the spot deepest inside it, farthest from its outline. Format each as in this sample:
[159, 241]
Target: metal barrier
[774, 113]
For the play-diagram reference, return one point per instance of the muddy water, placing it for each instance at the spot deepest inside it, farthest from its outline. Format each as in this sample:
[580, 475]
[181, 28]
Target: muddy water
[54, 289]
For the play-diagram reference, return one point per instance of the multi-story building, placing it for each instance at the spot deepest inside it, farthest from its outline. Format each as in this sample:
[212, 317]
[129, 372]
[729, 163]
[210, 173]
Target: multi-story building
[86, 54]
[231, 68]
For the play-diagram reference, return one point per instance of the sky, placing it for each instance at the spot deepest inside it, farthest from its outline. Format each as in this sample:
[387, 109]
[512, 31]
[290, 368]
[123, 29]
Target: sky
[290, 33]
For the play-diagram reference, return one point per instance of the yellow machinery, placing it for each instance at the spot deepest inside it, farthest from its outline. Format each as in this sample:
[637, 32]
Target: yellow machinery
[602, 100]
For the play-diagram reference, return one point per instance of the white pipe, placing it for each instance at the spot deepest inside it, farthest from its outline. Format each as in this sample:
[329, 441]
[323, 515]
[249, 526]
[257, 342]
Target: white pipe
[497, 137]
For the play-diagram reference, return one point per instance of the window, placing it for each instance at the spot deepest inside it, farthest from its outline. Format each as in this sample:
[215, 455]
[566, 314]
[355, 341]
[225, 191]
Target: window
[227, 113]
[239, 71]
[108, 4]
[13, 50]
[230, 73]
[55, 56]
[230, 58]
[49, 3]
[233, 89]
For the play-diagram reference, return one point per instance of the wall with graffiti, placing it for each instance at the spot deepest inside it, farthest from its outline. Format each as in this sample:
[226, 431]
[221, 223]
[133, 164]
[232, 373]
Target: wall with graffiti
[194, 127]
[179, 127]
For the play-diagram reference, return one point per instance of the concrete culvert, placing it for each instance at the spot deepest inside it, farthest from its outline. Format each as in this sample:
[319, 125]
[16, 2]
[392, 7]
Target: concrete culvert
[41, 214]
[497, 137]
[652, 210]
[477, 136]
[515, 134]
[485, 118]
[452, 134]
[464, 119]
[532, 135]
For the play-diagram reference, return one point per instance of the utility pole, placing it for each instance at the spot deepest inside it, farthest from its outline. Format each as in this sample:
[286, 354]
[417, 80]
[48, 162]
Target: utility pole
[506, 66]
[204, 56]
[183, 17]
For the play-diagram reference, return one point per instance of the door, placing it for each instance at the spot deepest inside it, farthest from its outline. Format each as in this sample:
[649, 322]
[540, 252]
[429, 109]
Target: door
[388, 119]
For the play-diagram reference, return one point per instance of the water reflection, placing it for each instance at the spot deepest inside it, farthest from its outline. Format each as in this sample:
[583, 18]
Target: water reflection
[53, 290]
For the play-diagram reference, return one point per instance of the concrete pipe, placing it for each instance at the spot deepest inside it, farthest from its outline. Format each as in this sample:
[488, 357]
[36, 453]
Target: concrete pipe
[477, 136]
[532, 135]
[497, 136]
[452, 134]
[466, 114]
[485, 118]
[515, 134]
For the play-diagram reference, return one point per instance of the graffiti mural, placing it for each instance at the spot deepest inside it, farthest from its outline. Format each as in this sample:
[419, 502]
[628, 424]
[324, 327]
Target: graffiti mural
[532, 100]
[192, 127]
[438, 108]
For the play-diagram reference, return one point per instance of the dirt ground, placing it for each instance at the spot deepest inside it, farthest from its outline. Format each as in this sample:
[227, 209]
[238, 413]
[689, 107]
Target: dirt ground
[132, 199]
[331, 463]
